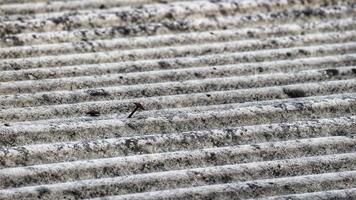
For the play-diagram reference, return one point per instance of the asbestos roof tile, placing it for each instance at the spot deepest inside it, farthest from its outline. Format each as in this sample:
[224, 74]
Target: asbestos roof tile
[241, 99]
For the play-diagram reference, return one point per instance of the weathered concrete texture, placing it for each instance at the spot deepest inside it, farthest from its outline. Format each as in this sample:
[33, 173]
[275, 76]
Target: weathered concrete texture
[124, 146]
[324, 195]
[242, 190]
[182, 38]
[217, 48]
[147, 13]
[181, 25]
[290, 29]
[243, 99]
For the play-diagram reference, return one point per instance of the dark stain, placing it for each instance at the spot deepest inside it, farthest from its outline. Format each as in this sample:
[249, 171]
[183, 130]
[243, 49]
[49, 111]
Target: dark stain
[74, 193]
[6, 124]
[132, 126]
[267, 136]
[196, 74]
[250, 34]
[213, 157]
[226, 178]
[300, 106]
[159, 166]
[217, 143]
[294, 93]
[208, 95]
[257, 147]
[102, 6]
[288, 188]
[42, 191]
[276, 173]
[289, 54]
[353, 70]
[15, 66]
[304, 52]
[132, 144]
[341, 133]
[46, 98]
[164, 65]
[163, 1]
[308, 12]
[332, 72]
[273, 42]
[93, 113]
[253, 186]
[15, 40]
[59, 20]
[123, 30]
[97, 92]
[170, 15]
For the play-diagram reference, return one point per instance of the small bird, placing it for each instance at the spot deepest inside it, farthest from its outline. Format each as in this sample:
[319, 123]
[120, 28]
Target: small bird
[138, 106]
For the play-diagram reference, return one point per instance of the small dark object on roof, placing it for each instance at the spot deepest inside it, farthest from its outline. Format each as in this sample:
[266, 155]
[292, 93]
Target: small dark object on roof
[93, 113]
[97, 92]
[138, 105]
[294, 93]
[332, 72]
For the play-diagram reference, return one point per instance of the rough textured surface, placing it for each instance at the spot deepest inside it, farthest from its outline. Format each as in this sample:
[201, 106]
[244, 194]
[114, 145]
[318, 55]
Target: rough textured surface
[244, 99]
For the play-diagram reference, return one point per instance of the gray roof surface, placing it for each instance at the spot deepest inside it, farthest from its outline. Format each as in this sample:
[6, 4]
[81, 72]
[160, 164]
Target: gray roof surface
[243, 99]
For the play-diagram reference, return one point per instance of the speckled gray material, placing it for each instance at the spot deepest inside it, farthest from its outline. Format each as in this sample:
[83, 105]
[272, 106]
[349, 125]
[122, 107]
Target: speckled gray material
[51, 152]
[242, 190]
[182, 38]
[324, 195]
[243, 99]
[181, 25]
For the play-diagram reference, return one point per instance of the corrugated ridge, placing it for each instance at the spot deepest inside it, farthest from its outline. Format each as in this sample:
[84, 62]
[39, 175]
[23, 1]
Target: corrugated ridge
[249, 99]
[346, 193]
[178, 26]
[176, 88]
[173, 119]
[186, 50]
[186, 38]
[47, 153]
[181, 38]
[77, 170]
[33, 9]
[298, 184]
[181, 10]
[195, 99]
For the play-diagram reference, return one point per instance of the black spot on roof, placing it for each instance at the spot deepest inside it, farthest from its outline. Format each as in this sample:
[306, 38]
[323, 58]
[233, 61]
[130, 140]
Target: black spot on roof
[164, 65]
[42, 191]
[332, 72]
[97, 92]
[294, 93]
[93, 113]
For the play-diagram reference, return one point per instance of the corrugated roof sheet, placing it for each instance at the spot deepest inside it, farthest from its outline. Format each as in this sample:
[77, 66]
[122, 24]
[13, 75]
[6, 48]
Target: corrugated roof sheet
[244, 99]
